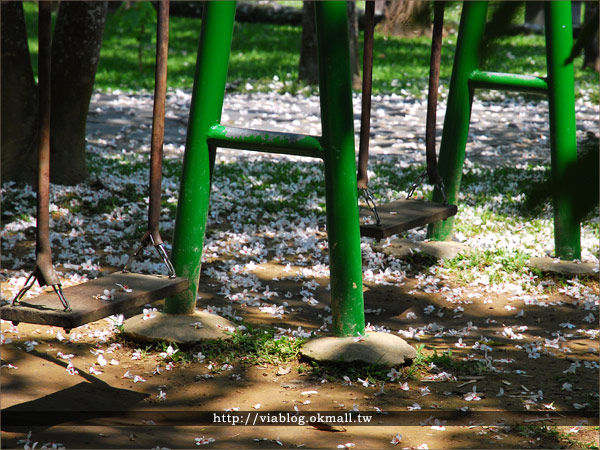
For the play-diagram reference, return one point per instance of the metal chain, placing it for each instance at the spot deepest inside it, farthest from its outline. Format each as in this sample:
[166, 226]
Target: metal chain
[416, 184]
[160, 248]
[420, 180]
[442, 189]
[371, 204]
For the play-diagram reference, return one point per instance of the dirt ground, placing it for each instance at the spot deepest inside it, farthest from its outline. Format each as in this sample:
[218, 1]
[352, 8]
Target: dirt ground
[114, 409]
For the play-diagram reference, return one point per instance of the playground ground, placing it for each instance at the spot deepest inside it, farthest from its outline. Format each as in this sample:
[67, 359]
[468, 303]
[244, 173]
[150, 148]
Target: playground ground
[523, 366]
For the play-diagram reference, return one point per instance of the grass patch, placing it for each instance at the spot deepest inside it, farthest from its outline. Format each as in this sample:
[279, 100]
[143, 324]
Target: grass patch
[260, 346]
[491, 262]
[254, 345]
[401, 63]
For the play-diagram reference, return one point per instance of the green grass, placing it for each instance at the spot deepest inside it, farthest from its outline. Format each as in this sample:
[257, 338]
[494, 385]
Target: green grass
[401, 63]
[255, 345]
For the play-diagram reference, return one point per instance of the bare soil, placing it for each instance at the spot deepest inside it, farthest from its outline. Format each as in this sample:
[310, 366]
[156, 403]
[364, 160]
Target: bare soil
[108, 410]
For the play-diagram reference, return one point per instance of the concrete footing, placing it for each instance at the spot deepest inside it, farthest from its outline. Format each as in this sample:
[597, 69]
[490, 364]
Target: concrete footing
[568, 268]
[178, 328]
[374, 348]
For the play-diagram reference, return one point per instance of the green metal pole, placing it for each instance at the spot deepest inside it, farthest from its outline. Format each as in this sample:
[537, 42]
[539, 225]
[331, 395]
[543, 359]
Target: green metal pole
[563, 140]
[508, 81]
[198, 160]
[340, 169]
[458, 112]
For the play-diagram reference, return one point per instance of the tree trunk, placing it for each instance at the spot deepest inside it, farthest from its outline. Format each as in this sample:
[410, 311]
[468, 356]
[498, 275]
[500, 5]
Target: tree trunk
[534, 13]
[75, 53]
[308, 70]
[402, 16]
[590, 51]
[353, 38]
[19, 98]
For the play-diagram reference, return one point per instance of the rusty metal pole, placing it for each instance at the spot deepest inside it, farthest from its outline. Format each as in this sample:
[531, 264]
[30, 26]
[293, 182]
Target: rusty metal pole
[43, 251]
[158, 119]
[434, 81]
[367, 86]
[152, 235]
[44, 272]
[158, 132]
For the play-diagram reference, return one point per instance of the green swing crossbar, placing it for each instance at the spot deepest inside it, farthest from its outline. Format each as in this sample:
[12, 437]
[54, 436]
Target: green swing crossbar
[124, 292]
[529, 84]
[558, 86]
[265, 141]
[335, 147]
[403, 215]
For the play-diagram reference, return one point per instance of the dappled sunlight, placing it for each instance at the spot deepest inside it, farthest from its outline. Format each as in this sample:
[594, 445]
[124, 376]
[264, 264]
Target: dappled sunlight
[486, 326]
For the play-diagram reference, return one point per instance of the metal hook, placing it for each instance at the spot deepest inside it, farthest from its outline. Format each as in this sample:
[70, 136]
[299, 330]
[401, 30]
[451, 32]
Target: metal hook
[28, 285]
[132, 257]
[160, 248]
[61, 296]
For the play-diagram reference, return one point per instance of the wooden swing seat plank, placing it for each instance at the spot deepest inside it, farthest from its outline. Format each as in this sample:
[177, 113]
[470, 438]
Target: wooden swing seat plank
[403, 215]
[86, 305]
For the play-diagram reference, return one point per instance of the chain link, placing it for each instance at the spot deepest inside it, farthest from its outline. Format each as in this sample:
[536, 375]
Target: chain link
[371, 204]
[420, 180]
[416, 184]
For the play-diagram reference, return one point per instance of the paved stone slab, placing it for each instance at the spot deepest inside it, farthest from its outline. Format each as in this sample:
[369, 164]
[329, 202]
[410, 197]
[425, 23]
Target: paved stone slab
[178, 328]
[438, 249]
[564, 267]
[374, 348]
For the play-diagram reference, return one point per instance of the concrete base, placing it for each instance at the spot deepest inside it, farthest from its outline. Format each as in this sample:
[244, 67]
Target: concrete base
[568, 268]
[180, 329]
[438, 249]
[374, 348]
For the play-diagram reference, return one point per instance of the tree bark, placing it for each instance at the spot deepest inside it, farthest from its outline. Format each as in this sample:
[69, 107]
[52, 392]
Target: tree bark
[19, 98]
[534, 13]
[75, 53]
[402, 16]
[353, 38]
[309, 69]
[590, 51]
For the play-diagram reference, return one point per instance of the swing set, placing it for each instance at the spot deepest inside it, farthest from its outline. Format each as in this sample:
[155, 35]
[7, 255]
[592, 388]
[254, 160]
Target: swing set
[78, 305]
[335, 147]
[402, 215]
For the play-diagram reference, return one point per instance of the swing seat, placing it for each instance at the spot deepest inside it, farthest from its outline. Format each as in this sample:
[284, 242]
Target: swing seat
[85, 301]
[403, 215]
